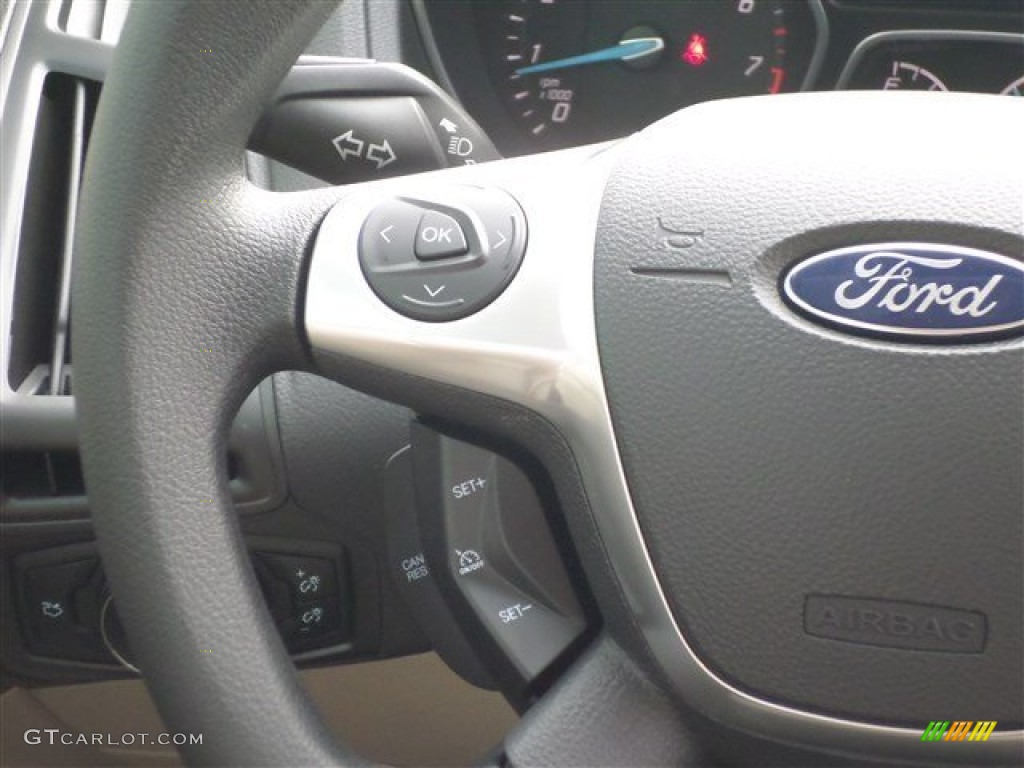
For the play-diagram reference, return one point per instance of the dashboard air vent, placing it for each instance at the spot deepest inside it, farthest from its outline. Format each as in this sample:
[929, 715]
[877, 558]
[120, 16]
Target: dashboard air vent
[40, 474]
[40, 351]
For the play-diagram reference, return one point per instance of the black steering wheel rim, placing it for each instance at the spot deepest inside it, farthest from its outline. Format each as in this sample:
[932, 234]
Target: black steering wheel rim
[186, 165]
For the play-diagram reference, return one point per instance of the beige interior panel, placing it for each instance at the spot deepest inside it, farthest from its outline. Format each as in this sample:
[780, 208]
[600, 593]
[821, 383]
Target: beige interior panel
[409, 711]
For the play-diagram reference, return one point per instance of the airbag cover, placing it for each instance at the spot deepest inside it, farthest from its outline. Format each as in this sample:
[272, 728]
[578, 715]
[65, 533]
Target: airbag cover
[835, 519]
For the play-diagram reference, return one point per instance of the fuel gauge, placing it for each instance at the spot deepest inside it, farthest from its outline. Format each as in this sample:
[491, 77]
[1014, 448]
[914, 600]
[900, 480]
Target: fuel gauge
[1016, 88]
[907, 76]
[970, 61]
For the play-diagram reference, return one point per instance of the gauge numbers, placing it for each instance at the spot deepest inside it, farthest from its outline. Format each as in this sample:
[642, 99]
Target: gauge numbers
[962, 61]
[908, 76]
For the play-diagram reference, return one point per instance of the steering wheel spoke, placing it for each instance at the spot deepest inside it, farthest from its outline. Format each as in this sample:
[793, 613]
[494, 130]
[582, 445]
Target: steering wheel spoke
[532, 344]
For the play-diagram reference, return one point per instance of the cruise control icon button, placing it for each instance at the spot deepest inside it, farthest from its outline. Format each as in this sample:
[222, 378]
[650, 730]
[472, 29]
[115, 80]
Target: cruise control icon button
[439, 237]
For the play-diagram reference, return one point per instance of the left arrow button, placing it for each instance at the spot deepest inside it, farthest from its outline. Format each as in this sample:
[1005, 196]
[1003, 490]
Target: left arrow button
[389, 235]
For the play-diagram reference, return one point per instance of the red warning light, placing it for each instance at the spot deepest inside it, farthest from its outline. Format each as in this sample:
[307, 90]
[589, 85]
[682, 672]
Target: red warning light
[696, 51]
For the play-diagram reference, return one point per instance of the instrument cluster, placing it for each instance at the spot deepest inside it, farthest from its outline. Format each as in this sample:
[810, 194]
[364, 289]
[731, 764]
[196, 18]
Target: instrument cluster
[546, 74]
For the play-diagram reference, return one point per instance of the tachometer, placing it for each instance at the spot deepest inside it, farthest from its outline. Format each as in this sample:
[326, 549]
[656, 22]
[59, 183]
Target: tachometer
[592, 70]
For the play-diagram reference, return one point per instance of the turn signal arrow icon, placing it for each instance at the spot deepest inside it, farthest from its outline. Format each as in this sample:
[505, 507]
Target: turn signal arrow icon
[381, 154]
[348, 145]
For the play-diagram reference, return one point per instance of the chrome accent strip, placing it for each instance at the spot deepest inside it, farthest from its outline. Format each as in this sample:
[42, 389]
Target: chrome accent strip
[5, 22]
[536, 345]
[104, 611]
[452, 303]
[115, 13]
[63, 319]
[84, 18]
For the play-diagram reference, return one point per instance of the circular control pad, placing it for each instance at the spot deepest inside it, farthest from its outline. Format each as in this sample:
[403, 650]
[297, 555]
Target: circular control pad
[446, 257]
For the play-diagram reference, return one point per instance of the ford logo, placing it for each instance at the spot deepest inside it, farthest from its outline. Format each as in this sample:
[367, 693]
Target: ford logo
[911, 291]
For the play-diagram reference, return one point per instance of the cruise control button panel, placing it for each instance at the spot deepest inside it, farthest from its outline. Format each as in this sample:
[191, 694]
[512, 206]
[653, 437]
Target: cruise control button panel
[307, 591]
[443, 258]
[307, 577]
[415, 578]
[485, 528]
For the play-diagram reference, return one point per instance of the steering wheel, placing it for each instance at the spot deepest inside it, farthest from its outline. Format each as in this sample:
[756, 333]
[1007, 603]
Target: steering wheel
[767, 349]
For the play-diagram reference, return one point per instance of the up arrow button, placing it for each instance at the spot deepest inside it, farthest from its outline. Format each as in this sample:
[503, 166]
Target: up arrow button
[439, 236]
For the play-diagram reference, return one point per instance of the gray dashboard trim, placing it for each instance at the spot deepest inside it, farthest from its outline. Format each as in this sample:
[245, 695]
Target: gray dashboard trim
[419, 11]
[820, 45]
[6, 14]
[33, 46]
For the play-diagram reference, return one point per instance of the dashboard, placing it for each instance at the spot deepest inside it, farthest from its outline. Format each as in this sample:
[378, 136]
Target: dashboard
[547, 74]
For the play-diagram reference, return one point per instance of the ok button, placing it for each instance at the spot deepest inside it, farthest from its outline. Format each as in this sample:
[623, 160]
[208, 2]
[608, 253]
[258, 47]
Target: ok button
[439, 236]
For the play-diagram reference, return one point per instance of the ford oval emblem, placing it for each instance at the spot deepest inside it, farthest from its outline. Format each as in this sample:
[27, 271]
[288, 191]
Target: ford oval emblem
[912, 292]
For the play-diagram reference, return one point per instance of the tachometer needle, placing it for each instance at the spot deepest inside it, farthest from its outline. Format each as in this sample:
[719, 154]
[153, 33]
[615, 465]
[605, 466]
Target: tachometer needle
[627, 50]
